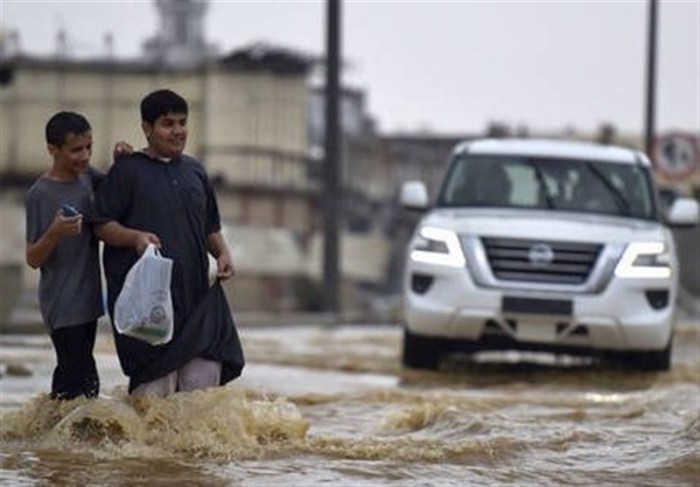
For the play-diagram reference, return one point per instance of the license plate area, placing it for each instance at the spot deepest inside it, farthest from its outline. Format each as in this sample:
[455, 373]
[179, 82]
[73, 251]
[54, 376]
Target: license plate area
[537, 306]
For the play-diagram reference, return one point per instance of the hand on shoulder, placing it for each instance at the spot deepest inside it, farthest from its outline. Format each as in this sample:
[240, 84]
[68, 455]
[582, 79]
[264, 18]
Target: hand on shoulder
[121, 149]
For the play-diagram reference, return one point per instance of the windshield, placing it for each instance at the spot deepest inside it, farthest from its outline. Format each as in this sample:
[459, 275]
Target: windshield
[554, 184]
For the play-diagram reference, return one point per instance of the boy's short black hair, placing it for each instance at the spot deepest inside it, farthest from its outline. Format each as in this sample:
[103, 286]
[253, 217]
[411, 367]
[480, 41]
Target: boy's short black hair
[162, 102]
[63, 123]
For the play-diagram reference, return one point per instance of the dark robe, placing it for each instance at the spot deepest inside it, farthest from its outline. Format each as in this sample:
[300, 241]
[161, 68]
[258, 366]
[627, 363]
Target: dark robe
[175, 201]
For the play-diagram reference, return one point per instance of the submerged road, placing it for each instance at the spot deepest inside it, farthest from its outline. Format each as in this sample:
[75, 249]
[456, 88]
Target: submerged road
[319, 405]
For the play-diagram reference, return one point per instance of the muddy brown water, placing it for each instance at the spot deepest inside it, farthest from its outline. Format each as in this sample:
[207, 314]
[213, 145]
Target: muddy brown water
[320, 406]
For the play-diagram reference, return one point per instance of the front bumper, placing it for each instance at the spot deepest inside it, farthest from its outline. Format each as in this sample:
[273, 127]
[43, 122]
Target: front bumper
[618, 318]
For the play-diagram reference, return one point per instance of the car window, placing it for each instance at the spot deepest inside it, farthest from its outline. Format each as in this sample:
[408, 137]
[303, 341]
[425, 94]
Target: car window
[478, 181]
[553, 184]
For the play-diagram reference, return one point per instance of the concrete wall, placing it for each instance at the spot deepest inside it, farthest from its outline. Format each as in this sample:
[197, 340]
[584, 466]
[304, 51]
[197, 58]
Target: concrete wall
[256, 127]
[110, 101]
[10, 289]
[229, 111]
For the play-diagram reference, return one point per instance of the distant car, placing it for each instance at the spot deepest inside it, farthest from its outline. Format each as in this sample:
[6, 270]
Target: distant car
[543, 245]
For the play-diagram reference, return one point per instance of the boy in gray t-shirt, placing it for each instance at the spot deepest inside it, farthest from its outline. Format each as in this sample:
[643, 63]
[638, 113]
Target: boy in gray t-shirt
[61, 242]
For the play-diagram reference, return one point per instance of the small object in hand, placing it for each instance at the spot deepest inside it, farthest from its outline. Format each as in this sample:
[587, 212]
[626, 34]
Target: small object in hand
[69, 211]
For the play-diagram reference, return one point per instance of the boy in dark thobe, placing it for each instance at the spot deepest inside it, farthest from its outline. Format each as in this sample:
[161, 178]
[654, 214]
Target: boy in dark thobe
[162, 196]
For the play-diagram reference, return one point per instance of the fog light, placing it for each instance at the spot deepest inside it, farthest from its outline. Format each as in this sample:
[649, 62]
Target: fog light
[420, 283]
[657, 298]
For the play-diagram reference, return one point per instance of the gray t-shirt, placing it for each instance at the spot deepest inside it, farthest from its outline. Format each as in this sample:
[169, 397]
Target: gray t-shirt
[70, 289]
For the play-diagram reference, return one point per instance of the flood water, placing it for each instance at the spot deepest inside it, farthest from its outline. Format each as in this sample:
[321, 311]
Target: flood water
[320, 406]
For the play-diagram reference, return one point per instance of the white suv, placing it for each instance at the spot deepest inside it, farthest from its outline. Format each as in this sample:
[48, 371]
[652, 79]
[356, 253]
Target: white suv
[542, 245]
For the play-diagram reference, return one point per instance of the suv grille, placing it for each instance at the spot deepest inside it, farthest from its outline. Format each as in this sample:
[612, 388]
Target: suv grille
[540, 261]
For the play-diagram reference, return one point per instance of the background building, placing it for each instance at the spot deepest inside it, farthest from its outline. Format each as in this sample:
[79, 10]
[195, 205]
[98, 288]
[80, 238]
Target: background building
[257, 124]
[248, 124]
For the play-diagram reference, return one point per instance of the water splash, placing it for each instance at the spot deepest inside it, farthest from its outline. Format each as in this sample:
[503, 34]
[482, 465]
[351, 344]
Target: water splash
[414, 418]
[219, 423]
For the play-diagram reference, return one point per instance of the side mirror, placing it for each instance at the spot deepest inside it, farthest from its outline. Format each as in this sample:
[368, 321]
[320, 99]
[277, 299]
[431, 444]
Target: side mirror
[414, 195]
[683, 212]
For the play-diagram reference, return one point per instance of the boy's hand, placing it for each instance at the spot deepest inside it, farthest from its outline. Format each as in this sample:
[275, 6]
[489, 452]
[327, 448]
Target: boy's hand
[143, 239]
[66, 225]
[121, 149]
[224, 267]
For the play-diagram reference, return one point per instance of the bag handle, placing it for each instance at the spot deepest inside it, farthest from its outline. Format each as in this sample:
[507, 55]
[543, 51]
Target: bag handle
[151, 249]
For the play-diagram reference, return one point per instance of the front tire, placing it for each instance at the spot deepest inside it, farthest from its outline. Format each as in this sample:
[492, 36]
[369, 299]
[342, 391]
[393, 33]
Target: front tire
[420, 351]
[657, 360]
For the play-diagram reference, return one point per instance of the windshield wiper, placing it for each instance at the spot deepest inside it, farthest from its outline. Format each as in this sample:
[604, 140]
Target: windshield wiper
[618, 197]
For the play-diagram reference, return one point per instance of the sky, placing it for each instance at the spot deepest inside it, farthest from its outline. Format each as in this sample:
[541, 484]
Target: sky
[446, 67]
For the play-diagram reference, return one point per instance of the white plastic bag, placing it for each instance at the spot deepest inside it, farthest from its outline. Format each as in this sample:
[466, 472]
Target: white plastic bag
[144, 308]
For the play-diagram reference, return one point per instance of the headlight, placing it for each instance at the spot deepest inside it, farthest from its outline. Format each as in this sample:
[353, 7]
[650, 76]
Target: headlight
[646, 260]
[437, 246]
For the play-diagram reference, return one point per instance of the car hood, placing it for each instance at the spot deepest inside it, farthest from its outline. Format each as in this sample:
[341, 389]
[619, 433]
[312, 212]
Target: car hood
[546, 225]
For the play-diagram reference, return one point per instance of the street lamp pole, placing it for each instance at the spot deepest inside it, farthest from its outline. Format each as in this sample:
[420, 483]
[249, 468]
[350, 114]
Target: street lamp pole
[333, 191]
[650, 115]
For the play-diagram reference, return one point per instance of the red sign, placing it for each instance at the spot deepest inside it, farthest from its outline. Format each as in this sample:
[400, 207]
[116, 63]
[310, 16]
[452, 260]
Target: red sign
[676, 155]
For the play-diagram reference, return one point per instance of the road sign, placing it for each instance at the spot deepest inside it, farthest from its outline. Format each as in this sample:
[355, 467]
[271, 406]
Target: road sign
[677, 155]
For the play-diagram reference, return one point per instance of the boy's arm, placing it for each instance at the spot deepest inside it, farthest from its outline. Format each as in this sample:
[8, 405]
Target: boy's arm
[218, 248]
[38, 252]
[117, 235]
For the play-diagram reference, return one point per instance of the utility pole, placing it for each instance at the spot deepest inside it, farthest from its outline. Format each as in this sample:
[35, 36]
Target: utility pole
[333, 191]
[650, 116]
